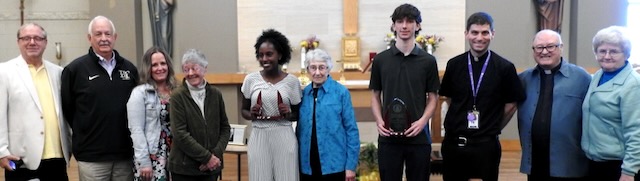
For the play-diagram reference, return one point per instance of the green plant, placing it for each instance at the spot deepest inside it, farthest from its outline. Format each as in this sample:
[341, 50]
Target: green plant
[368, 160]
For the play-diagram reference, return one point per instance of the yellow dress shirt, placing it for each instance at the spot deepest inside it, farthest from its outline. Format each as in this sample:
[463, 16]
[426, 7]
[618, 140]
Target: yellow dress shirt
[52, 143]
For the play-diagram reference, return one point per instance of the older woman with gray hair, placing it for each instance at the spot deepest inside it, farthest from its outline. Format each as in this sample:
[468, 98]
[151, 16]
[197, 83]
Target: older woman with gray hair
[611, 118]
[327, 128]
[199, 123]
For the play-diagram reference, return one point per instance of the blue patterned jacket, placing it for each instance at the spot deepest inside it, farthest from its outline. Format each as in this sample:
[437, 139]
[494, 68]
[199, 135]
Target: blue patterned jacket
[336, 129]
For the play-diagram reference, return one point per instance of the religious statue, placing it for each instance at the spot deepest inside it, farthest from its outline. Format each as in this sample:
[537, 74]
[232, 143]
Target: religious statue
[549, 14]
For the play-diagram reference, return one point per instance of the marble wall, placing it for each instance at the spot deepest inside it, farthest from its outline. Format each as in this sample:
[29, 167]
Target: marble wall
[298, 19]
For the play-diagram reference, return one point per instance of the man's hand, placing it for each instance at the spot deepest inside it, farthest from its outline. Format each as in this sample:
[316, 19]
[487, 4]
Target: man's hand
[4, 162]
[381, 129]
[416, 128]
[146, 173]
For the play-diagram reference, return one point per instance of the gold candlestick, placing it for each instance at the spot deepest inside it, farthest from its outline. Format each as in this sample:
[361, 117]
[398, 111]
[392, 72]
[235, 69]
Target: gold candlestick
[342, 79]
[303, 78]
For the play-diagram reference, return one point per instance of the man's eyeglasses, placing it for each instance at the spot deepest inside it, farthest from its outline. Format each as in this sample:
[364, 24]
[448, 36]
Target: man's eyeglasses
[550, 48]
[611, 52]
[314, 68]
[29, 38]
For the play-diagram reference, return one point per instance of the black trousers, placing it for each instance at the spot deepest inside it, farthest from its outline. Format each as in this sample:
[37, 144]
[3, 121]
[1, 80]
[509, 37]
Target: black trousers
[180, 177]
[340, 176]
[50, 169]
[473, 160]
[393, 157]
[606, 170]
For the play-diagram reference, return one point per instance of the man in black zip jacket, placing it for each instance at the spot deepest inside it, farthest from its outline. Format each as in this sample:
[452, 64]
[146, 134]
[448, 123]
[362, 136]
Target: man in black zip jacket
[95, 90]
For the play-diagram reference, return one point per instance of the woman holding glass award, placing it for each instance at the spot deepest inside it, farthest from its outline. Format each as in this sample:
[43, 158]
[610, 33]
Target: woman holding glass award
[327, 129]
[271, 99]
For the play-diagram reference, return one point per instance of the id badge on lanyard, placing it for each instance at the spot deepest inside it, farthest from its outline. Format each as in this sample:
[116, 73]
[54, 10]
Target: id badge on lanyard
[473, 116]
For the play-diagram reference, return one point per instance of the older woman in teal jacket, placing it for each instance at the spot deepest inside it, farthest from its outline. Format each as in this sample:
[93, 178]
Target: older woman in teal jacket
[327, 130]
[611, 118]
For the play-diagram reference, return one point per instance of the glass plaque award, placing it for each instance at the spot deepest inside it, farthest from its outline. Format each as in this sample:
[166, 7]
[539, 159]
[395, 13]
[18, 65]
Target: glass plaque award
[396, 118]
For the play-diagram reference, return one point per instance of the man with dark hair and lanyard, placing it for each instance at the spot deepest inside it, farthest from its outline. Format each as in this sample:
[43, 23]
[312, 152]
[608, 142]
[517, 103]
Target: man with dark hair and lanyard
[482, 89]
[407, 77]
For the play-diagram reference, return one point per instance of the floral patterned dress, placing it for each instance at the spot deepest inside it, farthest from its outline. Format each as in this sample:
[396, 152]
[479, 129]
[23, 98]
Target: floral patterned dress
[159, 161]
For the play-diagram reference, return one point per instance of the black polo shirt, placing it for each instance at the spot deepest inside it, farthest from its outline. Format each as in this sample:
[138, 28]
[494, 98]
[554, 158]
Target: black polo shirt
[409, 78]
[499, 86]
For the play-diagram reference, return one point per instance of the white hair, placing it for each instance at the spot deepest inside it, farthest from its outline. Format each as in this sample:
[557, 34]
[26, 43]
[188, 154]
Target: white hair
[318, 55]
[100, 17]
[615, 35]
[194, 56]
[548, 31]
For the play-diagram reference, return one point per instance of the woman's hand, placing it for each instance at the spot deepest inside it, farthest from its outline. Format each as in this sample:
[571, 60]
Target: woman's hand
[255, 110]
[283, 109]
[214, 163]
[350, 175]
[146, 173]
[624, 177]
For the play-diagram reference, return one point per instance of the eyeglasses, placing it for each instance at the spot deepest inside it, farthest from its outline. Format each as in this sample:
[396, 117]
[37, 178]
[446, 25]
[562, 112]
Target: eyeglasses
[550, 48]
[195, 68]
[29, 38]
[611, 52]
[314, 68]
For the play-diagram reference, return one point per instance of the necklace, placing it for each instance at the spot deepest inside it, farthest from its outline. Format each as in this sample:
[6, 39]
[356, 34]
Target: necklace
[164, 97]
[164, 92]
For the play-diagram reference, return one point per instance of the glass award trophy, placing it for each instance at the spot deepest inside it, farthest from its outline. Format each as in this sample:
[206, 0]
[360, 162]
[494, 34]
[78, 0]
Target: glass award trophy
[396, 118]
[261, 115]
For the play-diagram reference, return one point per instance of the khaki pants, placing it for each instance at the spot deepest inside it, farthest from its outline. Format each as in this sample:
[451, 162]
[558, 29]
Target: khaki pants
[111, 170]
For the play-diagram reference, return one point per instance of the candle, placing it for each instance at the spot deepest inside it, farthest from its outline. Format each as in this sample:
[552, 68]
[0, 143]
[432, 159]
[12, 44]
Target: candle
[303, 54]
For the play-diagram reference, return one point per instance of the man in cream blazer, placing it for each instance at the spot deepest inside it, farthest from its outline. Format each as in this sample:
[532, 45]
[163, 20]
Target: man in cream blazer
[32, 128]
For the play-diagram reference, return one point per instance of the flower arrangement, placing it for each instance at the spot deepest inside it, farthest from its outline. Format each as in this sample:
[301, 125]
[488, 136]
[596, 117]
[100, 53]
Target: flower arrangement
[310, 43]
[367, 169]
[390, 39]
[429, 40]
[305, 45]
